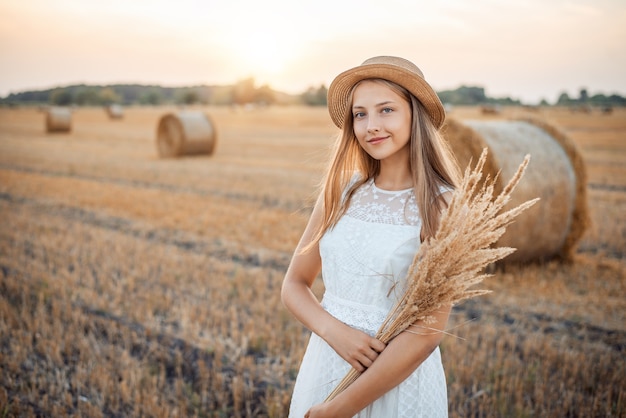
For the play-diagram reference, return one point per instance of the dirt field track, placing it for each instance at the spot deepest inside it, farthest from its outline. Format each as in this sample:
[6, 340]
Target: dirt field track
[132, 285]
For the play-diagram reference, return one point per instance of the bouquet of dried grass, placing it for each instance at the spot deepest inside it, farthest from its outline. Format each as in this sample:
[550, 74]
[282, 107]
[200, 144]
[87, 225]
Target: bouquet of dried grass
[447, 265]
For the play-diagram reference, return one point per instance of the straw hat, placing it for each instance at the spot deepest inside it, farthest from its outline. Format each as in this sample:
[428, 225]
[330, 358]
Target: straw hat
[395, 69]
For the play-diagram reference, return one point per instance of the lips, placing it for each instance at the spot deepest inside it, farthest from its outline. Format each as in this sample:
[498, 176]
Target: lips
[377, 140]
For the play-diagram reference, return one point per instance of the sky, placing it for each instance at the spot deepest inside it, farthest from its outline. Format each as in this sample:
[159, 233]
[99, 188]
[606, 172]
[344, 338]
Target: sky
[523, 49]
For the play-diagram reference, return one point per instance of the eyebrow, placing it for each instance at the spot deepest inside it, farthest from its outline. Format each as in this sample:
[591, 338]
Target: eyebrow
[377, 105]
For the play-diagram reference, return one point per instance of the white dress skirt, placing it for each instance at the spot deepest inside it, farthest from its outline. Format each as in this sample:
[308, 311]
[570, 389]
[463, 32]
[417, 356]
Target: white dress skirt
[365, 258]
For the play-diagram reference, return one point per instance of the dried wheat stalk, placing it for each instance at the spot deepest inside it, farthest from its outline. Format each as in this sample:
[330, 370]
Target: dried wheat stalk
[447, 265]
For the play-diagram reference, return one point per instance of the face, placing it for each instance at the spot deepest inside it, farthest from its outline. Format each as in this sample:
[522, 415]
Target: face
[381, 121]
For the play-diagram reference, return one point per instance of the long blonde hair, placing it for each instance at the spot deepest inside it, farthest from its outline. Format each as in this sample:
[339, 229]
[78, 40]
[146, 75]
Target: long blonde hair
[431, 162]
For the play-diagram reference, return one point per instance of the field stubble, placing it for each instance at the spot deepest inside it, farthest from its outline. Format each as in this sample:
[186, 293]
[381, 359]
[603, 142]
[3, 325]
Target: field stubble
[137, 286]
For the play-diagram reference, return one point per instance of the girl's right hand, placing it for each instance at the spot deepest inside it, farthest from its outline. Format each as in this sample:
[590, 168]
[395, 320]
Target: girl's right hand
[354, 346]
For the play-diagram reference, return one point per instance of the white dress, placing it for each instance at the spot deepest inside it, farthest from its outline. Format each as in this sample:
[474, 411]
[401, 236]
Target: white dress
[365, 258]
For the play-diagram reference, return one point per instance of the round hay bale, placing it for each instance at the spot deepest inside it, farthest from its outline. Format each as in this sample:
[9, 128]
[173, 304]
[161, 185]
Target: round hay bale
[556, 173]
[115, 111]
[185, 133]
[490, 110]
[58, 119]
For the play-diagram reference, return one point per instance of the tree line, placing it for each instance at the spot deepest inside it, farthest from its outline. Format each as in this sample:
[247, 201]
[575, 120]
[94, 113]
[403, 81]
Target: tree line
[246, 92]
[583, 99]
[130, 94]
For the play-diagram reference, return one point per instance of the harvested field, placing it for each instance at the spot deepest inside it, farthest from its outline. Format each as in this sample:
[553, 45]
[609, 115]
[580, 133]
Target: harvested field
[132, 285]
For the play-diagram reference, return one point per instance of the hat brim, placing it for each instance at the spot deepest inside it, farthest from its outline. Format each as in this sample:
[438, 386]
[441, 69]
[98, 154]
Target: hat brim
[342, 84]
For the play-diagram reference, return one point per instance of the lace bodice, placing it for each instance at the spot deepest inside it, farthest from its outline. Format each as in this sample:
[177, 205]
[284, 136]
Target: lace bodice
[365, 257]
[372, 204]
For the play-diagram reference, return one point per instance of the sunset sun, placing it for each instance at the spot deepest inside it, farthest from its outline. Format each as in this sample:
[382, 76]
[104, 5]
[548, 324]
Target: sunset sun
[263, 52]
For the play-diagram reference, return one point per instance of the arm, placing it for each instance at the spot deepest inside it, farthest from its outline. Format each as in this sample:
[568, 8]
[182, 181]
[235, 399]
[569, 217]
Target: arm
[402, 357]
[354, 346]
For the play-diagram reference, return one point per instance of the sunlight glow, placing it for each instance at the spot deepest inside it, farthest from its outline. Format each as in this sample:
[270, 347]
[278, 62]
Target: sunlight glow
[262, 52]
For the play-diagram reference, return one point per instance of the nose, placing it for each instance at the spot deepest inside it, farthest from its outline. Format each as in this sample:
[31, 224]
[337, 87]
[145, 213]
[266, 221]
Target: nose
[373, 124]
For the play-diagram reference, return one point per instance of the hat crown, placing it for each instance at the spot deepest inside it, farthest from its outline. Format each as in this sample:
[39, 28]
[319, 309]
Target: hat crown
[395, 61]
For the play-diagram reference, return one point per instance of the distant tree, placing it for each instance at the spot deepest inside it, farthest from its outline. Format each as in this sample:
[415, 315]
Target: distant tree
[322, 95]
[464, 95]
[41, 96]
[583, 96]
[244, 91]
[86, 97]
[544, 102]
[151, 97]
[264, 95]
[188, 97]
[564, 99]
[61, 97]
[617, 100]
[505, 101]
[309, 96]
[315, 97]
[474, 94]
[603, 100]
[204, 93]
[108, 96]
[223, 95]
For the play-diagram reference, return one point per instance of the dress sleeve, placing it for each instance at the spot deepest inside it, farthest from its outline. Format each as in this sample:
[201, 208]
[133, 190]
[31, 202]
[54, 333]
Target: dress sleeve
[445, 188]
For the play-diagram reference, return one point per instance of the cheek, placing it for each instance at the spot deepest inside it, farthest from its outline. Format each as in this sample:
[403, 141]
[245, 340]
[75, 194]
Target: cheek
[405, 127]
[399, 127]
[360, 129]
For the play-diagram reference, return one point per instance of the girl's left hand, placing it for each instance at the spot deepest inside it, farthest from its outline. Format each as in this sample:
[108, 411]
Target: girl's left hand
[319, 411]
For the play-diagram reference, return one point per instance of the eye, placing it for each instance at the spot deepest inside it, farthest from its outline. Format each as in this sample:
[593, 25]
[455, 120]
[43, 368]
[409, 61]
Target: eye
[386, 110]
[358, 115]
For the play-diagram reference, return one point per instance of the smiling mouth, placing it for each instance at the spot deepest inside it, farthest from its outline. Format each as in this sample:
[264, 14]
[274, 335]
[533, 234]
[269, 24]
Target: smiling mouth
[376, 140]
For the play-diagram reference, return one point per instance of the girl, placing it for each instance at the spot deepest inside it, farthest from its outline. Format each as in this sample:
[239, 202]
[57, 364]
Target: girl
[388, 182]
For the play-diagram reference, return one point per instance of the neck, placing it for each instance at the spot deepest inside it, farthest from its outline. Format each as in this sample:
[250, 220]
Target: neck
[394, 176]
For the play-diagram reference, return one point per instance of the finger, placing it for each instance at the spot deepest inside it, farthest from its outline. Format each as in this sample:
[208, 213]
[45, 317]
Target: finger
[371, 355]
[368, 360]
[378, 345]
[358, 366]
